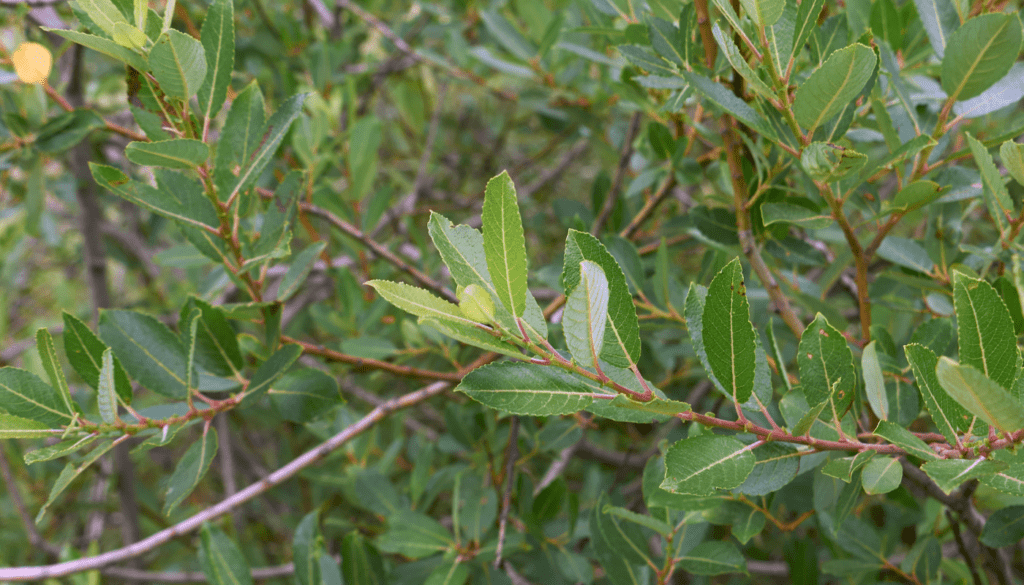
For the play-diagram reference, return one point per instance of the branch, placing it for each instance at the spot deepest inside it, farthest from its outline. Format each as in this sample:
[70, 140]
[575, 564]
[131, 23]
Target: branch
[274, 479]
[372, 364]
[620, 173]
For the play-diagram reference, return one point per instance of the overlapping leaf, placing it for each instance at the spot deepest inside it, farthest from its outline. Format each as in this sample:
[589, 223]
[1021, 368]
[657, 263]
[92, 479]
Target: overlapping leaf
[702, 465]
[526, 389]
[505, 243]
[728, 336]
[586, 314]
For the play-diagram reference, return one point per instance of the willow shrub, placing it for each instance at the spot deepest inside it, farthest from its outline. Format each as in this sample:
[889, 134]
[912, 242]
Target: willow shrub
[844, 276]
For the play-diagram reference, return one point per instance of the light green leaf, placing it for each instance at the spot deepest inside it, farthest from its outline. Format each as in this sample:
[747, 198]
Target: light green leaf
[586, 315]
[103, 13]
[874, 383]
[178, 63]
[102, 45]
[985, 330]
[647, 60]
[714, 557]
[827, 162]
[763, 12]
[833, 85]
[739, 63]
[914, 196]
[844, 467]
[940, 20]
[268, 140]
[825, 360]
[178, 153]
[140, 10]
[414, 535]
[728, 335]
[105, 394]
[882, 475]
[472, 335]
[728, 101]
[298, 270]
[797, 215]
[218, 38]
[905, 252]
[190, 469]
[505, 243]
[129, 37]
[903, 438]
[147, 349]
[527, 389]
[948, 474]
[1004, 527]
[69, 474]
[419, 302]
[476, 303]
[24, 395]
[979, 53]
[48, 357]
[990, 177]
[948, 416]
[222, 561]
[702, 465]
[60, 449]
[1012, 155]
[806, 23]
[16, 427]
[462, 250]
[622, 335]
[980, 395]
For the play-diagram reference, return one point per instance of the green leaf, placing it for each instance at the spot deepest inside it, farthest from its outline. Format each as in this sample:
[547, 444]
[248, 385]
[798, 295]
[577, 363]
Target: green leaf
[147, 349]
[874, 383]
[702, 465]
[647, 60]
[940, 20]
[105, 394]
[1004, 527]
[806, 23]
[216, 342]
[881, 475]
[827, 162]
[103, 13]
[654, 524]
[48, 357]
[129, 36]
[178, 153]
[775, 466]
[222, 561]
[797, 215]
[948, 416]
[190, 469]
[239, 138]
[452, 572]
[897, 156]
[619, 545]
[24, 395]
[826, 367]
[914, 196]
[16, 427]
[980, 395]
[269, 371]
[906, 440]
[622, 335]
[302, 395]
[178, 63]
[995, 189]
[985, 330]
[713, 557]
[833, 85]
[419, 302]
[948, 474]
[979, 53]
[472, 335]
[728, 335]
[763, 12]
[739, 63]
[843, 468]
[462, 250]
[504, 243]
[728, 101]
[667, 40]
[363, 146]
[696, 301]
[586, 315]
[69, 474]
[299, 269]
[218, 38]
[414, 535]
[359, 562]
[268, 140]
[526, 389]
[85, 354]
[68, 129]
[102, 45]
[177, 206]
[1012, 155]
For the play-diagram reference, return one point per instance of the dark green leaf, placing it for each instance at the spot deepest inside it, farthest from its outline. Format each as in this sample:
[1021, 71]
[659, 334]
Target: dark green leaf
[222, 561]
[270, 370]
[713, 558]
[147, 349]
[728, 335]
[178, 153]
[985, 330]
[527, 389]
[85, 353]
[190, 469]
[979, 53]
[826, 367]
[178, 63]
[948, 474]
[305, 394]
[702, 465]
[881, 475]
[24, 395]
[299, 269]
[414, 535]
[725, 99]
[1004, 527]
[218, 38]
[833, 85]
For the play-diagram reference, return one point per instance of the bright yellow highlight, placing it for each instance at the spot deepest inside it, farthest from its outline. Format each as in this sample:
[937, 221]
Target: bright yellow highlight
[32, 62]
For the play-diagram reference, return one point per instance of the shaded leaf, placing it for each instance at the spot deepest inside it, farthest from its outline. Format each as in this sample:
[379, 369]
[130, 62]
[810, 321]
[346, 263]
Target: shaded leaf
[729, 338]
[190, 469]
[222, 561]
[704, 464]
[177, 153]
[833, 85]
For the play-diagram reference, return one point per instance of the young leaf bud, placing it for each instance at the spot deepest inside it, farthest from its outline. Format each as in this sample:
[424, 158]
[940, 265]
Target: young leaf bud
[476, 304]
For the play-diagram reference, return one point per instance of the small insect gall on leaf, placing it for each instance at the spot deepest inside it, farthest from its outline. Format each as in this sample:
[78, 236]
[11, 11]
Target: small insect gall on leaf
[32, 62]
[476, 303]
